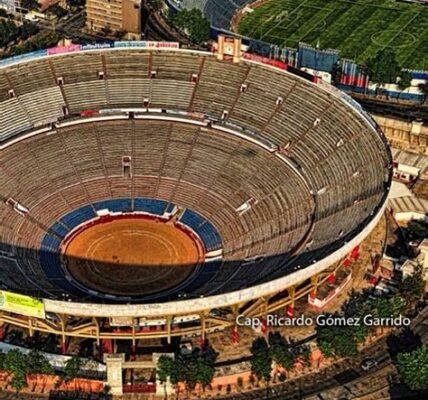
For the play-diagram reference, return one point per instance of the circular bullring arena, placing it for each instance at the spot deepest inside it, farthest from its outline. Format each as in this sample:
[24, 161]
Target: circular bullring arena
[160, 192]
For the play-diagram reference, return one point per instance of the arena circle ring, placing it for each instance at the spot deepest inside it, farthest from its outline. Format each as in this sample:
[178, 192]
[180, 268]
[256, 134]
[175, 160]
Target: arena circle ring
[291, 174]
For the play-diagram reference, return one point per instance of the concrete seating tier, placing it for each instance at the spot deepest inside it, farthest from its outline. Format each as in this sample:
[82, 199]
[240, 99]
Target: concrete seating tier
[334, 176]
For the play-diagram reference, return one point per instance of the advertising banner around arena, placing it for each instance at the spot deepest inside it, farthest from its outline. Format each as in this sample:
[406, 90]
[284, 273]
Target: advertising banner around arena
[265, 60]
[148, 45]
[96, 46]
[20, 304]
[33, 54]
[65, 49]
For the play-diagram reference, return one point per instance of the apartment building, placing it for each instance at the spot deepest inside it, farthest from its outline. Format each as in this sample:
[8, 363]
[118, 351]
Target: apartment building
[115, 16]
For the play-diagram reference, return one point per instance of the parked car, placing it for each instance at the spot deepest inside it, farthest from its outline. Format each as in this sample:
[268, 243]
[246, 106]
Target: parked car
[368, 364]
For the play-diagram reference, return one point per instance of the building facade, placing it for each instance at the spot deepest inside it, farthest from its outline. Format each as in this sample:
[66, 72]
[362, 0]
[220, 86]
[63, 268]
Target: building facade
[9, 5]
[114, 16]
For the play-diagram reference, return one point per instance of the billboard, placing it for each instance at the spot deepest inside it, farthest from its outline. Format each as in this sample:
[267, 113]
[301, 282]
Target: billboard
[148, 45]
[20, 304]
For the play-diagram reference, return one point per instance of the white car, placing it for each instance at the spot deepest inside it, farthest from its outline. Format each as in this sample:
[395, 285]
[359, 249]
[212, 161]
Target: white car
[368, 364]
[32, 18]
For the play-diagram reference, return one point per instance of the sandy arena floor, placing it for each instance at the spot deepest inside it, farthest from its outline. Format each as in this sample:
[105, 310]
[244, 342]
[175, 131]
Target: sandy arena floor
[131, 256]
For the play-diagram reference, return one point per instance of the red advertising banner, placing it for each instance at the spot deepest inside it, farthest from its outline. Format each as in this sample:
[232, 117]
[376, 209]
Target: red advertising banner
[266, 60]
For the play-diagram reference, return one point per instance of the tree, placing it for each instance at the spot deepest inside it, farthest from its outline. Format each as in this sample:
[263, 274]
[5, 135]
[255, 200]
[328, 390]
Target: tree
[165, 369]
[413, 368]
[280, 351]
[405, 80]
[282, 356]
[155, 5]
[42, 40]
[336, 72]
[358, 306]
[336, 340]
[38, 364]
[2, 360]
[192, 369]
[16, 363]
[383, 68]
[403, 342]
[194, 24]
[75, 3]
[58, 11]
[72, 368]
[423, 87]
[386, 307]
[18, 381]
[30, 4]
[413, 286]
[8, 31]
[261, 360]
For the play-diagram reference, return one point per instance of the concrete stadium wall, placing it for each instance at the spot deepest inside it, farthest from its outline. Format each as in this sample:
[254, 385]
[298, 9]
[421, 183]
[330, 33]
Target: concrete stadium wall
[223, 300]
[411, 136]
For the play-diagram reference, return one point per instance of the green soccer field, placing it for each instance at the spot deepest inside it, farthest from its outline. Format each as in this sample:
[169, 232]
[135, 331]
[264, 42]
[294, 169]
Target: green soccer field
[358, 28]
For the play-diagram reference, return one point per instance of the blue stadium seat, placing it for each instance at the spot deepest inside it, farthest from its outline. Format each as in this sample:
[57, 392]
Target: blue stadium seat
[203, 228]
[77, 217]
[152, 206]
[50, 243]
[59, 230]
[49, 261]
[207, 271]
[115, 205]
[170, 207]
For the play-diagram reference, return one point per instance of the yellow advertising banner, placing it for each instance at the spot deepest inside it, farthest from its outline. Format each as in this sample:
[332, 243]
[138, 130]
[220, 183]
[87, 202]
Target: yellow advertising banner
[20, 304]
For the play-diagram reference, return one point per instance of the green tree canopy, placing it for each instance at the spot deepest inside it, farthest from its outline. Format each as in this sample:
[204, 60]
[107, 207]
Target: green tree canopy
[30, 4]
[358, 306]
[336, 340]
[165, 368]
[384, 307]
[72, 368]
[194, 24]
[423, 87]
[192, 369]
[16, 363]
[281, 351]
[38, 363]
[383, 68]
[413, 368]
[413, 286]
[42, 40]
[261, 359]
[155, 4]
[405, 80]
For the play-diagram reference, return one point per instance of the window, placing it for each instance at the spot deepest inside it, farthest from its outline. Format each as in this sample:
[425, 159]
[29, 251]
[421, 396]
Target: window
[11, 93]
[244, 88]
[60, 81]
